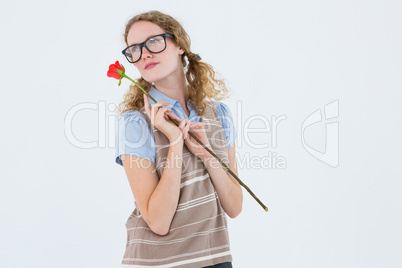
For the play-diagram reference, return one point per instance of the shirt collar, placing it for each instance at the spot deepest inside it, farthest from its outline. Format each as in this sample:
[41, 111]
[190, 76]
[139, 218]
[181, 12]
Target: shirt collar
[158, 96]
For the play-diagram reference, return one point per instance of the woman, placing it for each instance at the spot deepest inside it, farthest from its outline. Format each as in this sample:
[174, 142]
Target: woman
[181, 192]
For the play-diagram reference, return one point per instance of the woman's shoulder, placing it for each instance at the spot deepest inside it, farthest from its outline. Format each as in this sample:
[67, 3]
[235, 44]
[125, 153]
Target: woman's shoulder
[132, 115]
[222, 109]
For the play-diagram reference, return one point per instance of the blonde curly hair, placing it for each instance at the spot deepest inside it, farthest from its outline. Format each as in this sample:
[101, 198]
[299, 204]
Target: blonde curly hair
[200, 76]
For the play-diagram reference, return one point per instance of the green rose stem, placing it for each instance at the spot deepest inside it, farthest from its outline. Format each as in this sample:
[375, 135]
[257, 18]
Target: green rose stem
[122, 74]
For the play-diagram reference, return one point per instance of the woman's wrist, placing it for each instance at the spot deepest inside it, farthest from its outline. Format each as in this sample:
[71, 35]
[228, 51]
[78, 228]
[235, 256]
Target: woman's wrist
[206, 155]
[177, 140]
[207, 159]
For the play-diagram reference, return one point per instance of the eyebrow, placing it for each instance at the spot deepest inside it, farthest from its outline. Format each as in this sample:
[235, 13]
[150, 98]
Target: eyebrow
[145, 39]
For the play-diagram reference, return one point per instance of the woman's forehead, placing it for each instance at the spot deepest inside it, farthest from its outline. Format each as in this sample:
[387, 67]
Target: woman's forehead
[141, 31]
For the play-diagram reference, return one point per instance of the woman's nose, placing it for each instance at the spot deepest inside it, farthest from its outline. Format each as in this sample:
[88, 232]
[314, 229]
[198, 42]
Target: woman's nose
[145, 52]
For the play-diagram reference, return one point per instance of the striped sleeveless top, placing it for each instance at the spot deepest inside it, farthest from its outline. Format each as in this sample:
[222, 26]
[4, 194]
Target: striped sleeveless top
[198, 235]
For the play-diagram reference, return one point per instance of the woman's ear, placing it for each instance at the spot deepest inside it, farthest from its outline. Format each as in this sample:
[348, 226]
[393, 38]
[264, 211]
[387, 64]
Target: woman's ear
[181, 51]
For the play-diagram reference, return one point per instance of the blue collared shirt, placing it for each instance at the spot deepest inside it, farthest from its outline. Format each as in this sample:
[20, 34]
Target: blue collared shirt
[134, 135]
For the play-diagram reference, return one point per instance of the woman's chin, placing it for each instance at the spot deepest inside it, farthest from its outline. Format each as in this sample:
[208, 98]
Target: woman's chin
[151, 78]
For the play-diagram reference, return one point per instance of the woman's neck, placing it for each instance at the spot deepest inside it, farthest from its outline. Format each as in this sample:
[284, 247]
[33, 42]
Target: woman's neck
[175, 88]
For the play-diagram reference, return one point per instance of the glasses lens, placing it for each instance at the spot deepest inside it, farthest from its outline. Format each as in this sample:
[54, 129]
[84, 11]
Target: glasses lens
[156, 44]
[133, 53]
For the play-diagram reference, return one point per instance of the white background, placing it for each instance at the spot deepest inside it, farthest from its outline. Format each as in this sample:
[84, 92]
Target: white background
[65, 206]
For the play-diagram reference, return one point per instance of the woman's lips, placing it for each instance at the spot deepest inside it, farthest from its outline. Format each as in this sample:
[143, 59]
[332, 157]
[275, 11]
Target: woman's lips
[151, 65]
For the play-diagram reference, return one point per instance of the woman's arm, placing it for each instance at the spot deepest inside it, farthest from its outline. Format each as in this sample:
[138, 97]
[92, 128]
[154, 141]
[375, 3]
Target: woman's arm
[228, 188]
[157, 200]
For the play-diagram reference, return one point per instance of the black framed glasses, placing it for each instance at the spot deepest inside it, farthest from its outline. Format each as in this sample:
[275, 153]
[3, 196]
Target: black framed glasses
[154, 44]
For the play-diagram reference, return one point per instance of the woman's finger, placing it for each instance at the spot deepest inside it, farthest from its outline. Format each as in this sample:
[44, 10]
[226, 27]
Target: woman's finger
[197, 125]
[184, 127]
[174, 116]
[183, 123]
[151, 109]
[156, 107]
[160, 113]
[187, 128]
[146, 104]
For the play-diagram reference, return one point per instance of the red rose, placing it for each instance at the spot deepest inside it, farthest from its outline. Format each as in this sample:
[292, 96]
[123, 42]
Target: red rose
[113, 70]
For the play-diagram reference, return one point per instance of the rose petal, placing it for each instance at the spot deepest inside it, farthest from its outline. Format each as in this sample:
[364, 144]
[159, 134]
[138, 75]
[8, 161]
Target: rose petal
[113, 74]
[117, 65]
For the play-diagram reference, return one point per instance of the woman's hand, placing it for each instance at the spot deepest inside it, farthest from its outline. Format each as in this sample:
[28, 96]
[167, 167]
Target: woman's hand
[198, 130]
[159, 118]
